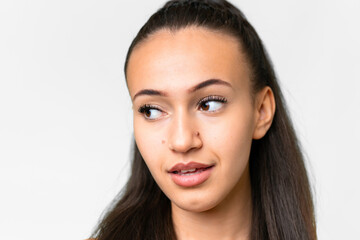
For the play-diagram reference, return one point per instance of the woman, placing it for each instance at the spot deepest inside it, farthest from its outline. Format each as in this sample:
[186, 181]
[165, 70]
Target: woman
[215, 154]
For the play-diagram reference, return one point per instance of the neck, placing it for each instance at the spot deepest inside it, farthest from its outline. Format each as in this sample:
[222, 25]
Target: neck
[231, 219]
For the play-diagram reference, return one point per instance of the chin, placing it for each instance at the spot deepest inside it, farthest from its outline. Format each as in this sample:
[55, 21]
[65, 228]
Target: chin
[195, 205]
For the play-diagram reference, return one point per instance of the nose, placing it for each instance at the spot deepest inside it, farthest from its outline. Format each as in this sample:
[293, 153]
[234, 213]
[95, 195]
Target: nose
[183, 135]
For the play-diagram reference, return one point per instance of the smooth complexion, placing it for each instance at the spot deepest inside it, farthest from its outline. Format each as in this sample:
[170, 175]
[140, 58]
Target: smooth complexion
[192, 102]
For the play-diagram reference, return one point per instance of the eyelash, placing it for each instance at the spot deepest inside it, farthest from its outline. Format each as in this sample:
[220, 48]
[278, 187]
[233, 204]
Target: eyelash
[146, 107]
[211, 98]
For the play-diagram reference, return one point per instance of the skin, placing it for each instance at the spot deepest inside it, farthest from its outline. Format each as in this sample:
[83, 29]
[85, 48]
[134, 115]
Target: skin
[178, 130]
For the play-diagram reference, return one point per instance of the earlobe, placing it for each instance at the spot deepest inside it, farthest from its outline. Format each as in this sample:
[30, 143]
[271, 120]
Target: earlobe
[265, 111]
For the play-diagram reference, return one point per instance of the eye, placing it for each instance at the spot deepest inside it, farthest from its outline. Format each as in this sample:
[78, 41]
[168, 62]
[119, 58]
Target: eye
[211, 103]
[150, 112]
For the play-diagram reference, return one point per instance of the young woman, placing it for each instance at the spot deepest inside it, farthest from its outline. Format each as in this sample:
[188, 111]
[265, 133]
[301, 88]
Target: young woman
[215, 154]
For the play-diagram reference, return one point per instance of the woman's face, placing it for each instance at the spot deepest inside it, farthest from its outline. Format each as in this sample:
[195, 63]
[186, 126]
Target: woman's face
[194, 117]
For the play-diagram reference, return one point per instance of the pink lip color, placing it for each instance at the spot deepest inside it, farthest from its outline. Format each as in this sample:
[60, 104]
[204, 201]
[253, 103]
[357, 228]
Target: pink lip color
[185, 180]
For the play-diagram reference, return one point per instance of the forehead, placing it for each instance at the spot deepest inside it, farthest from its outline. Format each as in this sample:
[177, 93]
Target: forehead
[176, 60]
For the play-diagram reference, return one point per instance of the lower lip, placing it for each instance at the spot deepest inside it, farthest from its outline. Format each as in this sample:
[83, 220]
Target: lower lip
[193, 179]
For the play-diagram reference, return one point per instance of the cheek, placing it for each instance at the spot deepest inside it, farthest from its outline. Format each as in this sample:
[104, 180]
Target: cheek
[230, 139]
[149, 141]
[231, 131]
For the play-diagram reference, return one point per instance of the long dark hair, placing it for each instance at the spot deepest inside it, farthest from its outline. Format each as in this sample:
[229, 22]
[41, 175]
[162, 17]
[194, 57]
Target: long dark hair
[281, 195]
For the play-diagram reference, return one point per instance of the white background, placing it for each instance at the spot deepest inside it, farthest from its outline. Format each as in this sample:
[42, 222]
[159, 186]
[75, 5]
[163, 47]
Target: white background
[65, 113]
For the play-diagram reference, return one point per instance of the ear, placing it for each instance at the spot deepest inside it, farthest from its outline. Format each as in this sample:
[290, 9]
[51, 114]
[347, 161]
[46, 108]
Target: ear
[265, 111]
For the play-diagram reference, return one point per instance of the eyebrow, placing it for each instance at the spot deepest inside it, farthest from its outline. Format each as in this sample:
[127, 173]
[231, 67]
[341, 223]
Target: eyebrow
[206, 83]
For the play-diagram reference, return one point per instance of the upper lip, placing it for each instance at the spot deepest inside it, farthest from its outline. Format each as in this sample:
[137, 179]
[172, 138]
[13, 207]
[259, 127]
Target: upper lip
[186, 166]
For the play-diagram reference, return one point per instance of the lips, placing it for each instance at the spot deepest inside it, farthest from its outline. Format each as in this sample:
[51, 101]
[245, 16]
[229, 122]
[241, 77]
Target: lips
[189, 167]
[190, 174]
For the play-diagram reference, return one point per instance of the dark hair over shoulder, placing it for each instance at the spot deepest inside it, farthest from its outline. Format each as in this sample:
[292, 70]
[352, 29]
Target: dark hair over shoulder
[281, 195]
